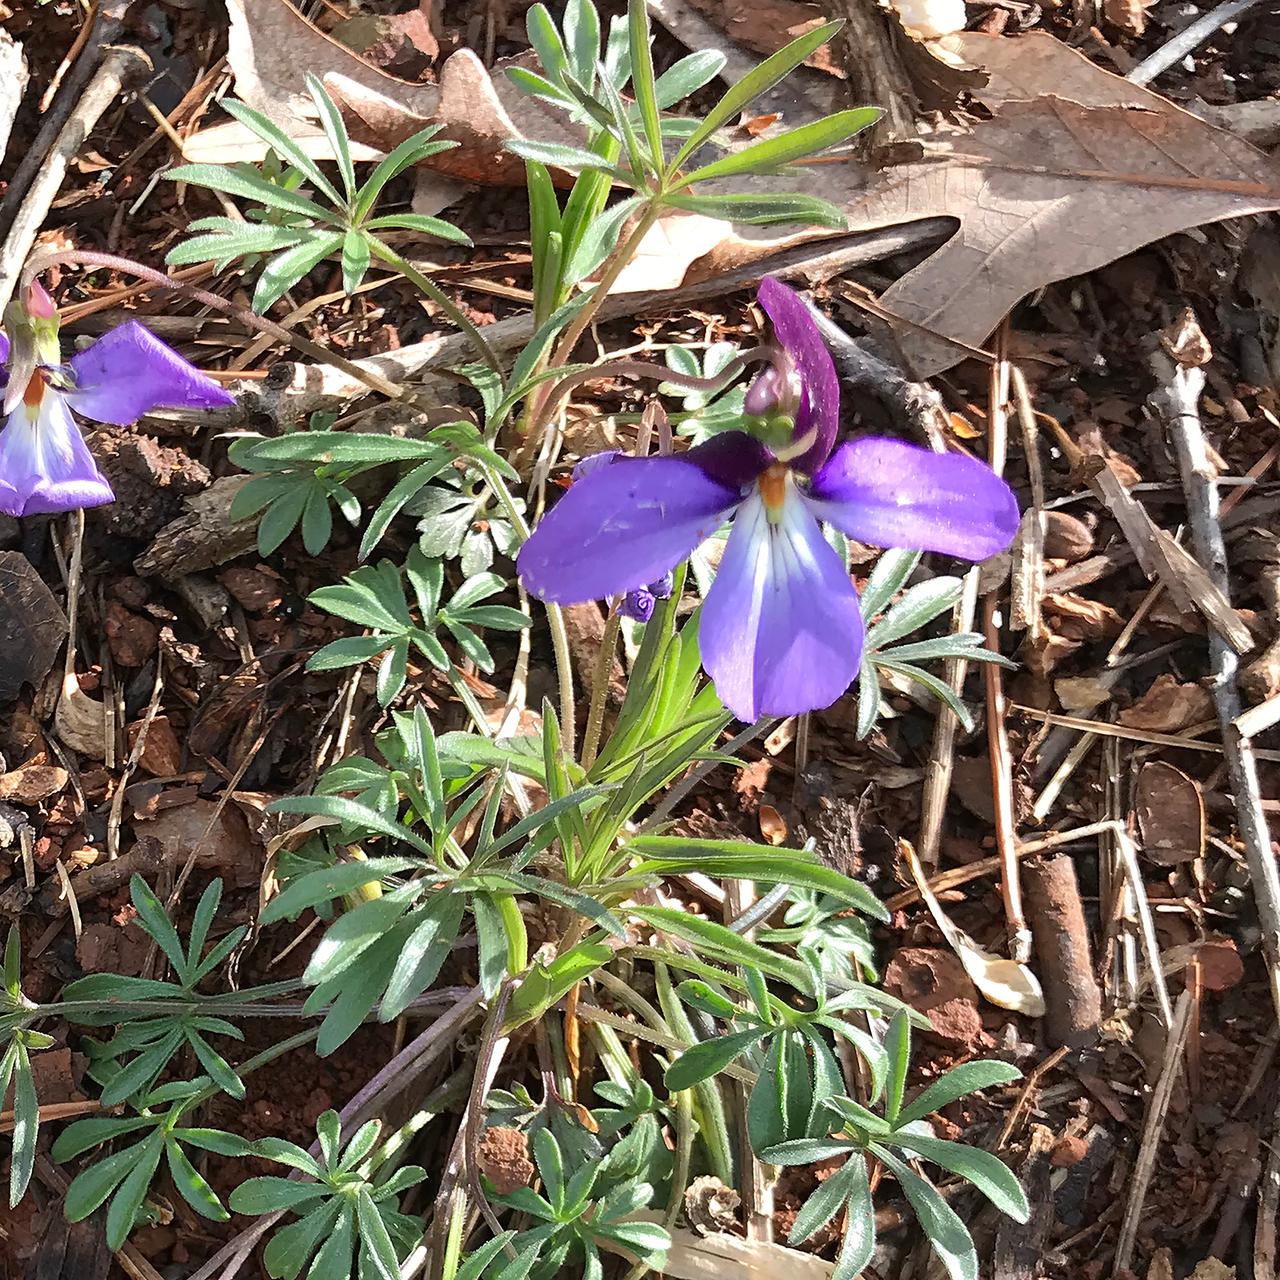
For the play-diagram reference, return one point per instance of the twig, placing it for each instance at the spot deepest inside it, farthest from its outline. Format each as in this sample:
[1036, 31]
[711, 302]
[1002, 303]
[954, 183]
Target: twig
[1186, 40]
[997, 735]
[120, 65]
[1177, 401]
[1264, 1236]
[1152, 1128]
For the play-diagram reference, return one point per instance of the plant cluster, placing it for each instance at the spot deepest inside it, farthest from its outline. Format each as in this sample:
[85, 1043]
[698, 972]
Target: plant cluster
[534, 865]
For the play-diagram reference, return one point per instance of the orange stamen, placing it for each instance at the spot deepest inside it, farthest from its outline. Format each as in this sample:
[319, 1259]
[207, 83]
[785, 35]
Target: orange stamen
[773, 488]
[34, 393]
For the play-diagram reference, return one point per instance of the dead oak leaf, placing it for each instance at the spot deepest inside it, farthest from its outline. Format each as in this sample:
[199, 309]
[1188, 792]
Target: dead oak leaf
[1049, 189]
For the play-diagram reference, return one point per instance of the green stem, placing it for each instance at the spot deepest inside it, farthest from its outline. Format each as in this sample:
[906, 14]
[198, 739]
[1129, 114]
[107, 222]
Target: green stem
[600, 689]
[468, 700]
[555, 618]
[546, 400]
[441, 299]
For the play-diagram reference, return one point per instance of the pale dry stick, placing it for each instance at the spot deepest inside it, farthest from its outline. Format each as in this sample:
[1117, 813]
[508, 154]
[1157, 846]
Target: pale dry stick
[61, 1111]
[1128, 852]
[1118, 965]
[1152, 1130]
[1019, 933]
[956, 876]
[1178, 402]
[1126, 734]
[1187, 40]
[118, 67]
[937, 772]
[1264, 1234]
[1026, 589]
[69, 893]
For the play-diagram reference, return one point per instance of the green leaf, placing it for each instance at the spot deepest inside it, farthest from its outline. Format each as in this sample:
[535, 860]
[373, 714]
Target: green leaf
[753, 84]
[699, 995]
[860, 1225]
[473, 1268]
[410, 151]
[546, 1154]
[986, 1171]
[687, 76]
[824, 1202]
[967, 1078]
[348, 652]
[235, 182]
[282, 517]
[239, 240]
[266, 1195]
[920, 604]
[127, 1202]
[392, 672]
[355, 259]
[375, 1244]
[556, 155]
[335, 131]
[287, 1153]
[191, 1186]
[289, 1248]
[947, 1233]
[215, 1065]
[269, 132]
[710, 1057]
[317, 522]
[762, 209]
[93, 1185]
[287, 268]
[437, 227]
[598, 241]
[786, 148]
[492, 937]
[807, 1150]
[423, 953]
[333, 1261]
[545, 39]
[317, 887]
[26, 1125]
[665, 855]
[642, 78]
[354, 932]
[155, 920]
[426, 577]
[897, 1043]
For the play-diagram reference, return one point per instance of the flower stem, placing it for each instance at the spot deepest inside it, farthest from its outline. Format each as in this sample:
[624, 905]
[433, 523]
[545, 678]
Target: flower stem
[555, 619]
[89, 258]
[441, 299]
[546, 399]
[599, 689]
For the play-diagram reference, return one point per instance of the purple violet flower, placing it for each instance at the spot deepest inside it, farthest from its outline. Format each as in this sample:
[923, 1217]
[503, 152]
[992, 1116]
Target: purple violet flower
[45, 465]
[781, 629]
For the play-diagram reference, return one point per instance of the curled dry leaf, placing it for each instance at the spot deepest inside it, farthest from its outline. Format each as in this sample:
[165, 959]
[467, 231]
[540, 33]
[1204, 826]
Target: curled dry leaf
[1170, 813]
[81, 721]
[772, 825]
[1005, 983]
[1169, 707]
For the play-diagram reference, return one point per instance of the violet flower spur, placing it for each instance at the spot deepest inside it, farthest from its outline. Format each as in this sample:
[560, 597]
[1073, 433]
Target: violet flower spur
[781, 629]
[45, 465]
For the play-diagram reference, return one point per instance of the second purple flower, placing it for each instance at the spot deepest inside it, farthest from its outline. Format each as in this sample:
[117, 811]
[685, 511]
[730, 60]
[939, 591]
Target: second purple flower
[781, 629]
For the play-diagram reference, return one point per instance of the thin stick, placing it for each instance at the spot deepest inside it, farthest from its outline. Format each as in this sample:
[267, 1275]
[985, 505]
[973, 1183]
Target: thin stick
[1186, 40]
[1152, 1129]
[120, 65]
[1019, 933]
[600, 689]
[1177, 401]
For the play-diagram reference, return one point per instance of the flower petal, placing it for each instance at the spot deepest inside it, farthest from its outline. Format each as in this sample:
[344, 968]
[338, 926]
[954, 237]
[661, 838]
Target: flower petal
[892, 494]
[4, 352]
[45, 465]
[781, 629]
[622, 527]
[799, 335]
[129, 372]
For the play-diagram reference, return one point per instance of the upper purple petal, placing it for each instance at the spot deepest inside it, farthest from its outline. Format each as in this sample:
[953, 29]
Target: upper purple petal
[129, 372]
[4, 353]
[45, 465]
[622, 527]
[892, 494]
[781, 629]
[733, 458]
[820, 399]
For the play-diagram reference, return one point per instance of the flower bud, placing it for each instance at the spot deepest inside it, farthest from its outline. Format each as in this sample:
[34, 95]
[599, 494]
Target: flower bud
[762, 394]
[38, 302]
